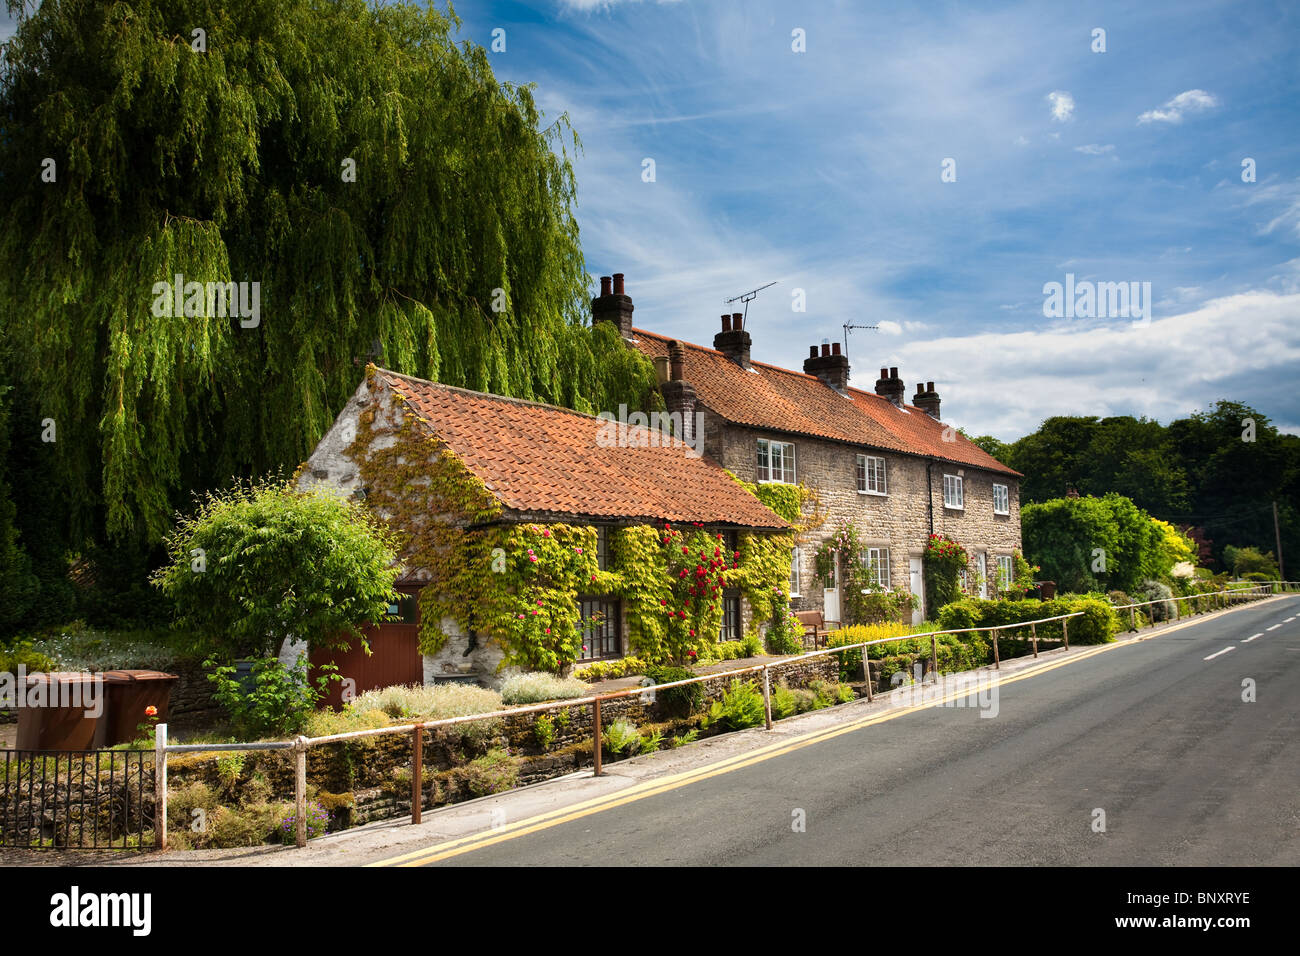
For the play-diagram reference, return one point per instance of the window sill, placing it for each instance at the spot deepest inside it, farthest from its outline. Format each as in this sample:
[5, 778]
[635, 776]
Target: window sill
[954, 507]
[874, 494]
[1002, 514]
[775, 481]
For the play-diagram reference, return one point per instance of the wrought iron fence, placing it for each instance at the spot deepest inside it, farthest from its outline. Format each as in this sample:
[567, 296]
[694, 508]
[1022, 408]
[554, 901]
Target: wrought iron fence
[80, 799]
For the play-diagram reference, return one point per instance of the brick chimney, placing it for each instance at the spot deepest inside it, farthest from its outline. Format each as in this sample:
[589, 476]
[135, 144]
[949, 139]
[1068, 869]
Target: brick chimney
[612, 305]
[831, 366]
[890, 386]
[927, 400]
[679, 395]
[733, 341]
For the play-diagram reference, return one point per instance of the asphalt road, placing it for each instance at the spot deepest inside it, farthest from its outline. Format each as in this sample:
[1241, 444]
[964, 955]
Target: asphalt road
[1154, 734]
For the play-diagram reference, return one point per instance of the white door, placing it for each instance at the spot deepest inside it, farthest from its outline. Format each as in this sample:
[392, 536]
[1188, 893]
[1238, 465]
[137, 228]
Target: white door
[918, 590]
[984, 575]
[831, 598]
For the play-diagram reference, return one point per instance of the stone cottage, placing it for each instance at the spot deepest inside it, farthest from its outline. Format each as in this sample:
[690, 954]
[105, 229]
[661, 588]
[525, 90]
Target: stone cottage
[530, 465]
[893, 468]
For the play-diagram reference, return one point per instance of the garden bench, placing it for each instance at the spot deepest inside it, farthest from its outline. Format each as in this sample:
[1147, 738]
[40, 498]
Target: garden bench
[815, 627]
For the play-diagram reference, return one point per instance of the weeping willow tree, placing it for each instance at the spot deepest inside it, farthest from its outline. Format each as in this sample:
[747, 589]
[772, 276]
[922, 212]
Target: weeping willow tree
[388, 197]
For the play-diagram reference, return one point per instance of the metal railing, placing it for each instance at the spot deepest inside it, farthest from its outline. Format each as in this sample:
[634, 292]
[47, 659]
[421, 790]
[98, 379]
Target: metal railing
[300, 745]
[78, 799]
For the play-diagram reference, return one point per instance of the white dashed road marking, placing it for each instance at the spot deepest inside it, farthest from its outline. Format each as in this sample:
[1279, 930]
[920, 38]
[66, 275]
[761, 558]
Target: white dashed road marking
[1230, 647]
[1252, 637]
[1273, 628]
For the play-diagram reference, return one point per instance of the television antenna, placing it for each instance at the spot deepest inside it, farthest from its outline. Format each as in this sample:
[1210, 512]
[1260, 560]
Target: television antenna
[748, 297]
[847, 327]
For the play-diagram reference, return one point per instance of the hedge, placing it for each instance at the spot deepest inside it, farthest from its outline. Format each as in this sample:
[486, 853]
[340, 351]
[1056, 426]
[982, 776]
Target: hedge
[1098, 624]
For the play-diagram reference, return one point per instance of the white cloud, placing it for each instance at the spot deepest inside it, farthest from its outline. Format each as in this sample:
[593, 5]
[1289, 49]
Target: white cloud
[1189, 101]
[1021, 141]
[1092, 149]
[1162, 370]
[1062, 105]
[890, 328]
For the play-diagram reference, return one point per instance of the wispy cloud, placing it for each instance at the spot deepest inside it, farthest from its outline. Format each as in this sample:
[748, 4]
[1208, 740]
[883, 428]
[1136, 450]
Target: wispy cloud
[1062, 104]
[1092, 149]
[1189, 101]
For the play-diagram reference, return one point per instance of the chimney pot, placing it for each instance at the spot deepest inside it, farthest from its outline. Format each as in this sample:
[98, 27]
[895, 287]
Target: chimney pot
[676, 361]
[893, 373]
[726, 323]
[884, 373]
[835, 348]
[929, 386]
[613, 305]
[733, 341]
[737, 320]
[826, 349]
[812, 351]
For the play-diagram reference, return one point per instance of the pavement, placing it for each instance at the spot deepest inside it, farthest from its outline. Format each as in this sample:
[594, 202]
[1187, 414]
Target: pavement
[1138, 752]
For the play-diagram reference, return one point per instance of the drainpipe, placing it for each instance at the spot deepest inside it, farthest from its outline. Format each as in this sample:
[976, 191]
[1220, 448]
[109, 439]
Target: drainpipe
[929, 490]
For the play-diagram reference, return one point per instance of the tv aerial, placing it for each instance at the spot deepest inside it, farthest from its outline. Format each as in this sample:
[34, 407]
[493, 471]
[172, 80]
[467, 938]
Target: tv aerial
[748, 297]
[847, 327]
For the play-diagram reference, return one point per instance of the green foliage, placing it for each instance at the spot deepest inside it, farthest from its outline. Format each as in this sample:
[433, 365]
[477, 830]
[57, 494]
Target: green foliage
[1156, 591]
[1098, 624]
[610, 670]
[621, 737]
[1245, 561]
[22, 654]
[741, 706]
[679, 701]
[494, 772]
[1223, 467]
[226, 166]
[273, 700]
[539, 686]
[942, 561]
[687, 738]
[544, 731]
[1067, 537]
[262, 563]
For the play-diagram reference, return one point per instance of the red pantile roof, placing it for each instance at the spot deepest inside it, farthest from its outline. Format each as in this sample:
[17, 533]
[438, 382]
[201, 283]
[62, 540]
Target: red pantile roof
[540, 458]
[777, 398]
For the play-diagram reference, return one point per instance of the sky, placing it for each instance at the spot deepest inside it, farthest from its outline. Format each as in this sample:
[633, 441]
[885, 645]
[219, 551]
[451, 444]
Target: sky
[824, 170]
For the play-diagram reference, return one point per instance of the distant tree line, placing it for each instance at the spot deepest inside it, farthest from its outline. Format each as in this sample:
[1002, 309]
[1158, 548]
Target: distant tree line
[1216, 472]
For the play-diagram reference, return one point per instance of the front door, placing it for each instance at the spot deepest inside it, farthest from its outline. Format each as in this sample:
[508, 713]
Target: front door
[831, 598]
[984, 575]
[918, 590]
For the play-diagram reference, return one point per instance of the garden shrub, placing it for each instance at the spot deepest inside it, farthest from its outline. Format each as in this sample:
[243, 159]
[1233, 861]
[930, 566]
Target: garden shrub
[676, 701]
[493, 772]
[610, 670]
[1157, 591]
[741, 706]
[621, 737]
[538, 686]
[408, 701]
[1097, 625]
[25, 656]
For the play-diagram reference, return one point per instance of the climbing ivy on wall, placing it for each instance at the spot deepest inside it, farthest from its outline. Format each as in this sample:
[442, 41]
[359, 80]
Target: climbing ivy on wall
[519, 584]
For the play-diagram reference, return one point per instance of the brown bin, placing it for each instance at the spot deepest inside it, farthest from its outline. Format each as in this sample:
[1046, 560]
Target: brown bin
[129, 694]
[70, 715]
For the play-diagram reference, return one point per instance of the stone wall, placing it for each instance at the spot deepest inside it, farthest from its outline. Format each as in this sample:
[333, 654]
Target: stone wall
[899, 520]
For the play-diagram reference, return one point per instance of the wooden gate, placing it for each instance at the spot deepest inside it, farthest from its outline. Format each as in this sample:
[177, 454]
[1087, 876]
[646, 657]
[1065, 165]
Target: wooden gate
[394, 656]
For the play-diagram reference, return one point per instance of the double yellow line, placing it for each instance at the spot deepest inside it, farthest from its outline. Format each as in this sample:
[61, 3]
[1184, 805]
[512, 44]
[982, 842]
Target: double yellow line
[650, 788]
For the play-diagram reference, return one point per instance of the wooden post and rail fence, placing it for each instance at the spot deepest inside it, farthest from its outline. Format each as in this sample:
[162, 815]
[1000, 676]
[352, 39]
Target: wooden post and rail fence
[300, 745]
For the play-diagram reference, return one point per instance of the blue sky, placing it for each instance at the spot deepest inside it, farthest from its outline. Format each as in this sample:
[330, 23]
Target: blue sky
[822, 170]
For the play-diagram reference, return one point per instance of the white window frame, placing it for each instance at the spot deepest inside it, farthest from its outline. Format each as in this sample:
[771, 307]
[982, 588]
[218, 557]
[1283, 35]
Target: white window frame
[1007, 567]
[880, 557]
[872, 471]
[953, 484]
[796, 555]
[984, 575]
[1002, 496]
[765, 448]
